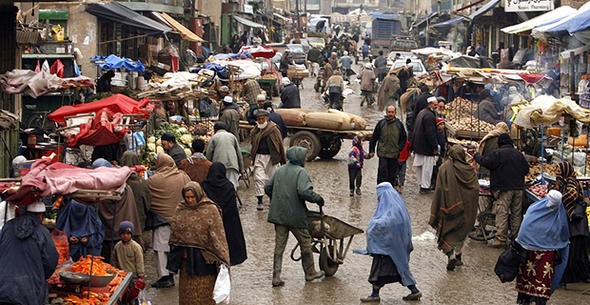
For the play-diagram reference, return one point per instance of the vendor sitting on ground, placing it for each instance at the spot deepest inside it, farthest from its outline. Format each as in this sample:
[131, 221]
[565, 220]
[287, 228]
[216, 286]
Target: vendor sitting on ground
[172, 148]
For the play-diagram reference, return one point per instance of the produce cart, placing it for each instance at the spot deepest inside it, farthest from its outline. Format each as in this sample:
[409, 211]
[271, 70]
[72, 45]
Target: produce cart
[330, 234]
[323, 143]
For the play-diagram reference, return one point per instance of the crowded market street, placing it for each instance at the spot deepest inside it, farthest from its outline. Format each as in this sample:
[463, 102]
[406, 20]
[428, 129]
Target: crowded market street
[474, 283]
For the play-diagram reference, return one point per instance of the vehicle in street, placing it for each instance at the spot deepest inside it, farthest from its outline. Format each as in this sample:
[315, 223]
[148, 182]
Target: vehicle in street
[384, 28]
[403, 55]
[417, 65]
[297, 54]
[316, 42]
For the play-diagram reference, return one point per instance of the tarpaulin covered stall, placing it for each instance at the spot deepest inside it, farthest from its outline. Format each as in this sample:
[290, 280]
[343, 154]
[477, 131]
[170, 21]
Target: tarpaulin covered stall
[49, 178]
[115, 103]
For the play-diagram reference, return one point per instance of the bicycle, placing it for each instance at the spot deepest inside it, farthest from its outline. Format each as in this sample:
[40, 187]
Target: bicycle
[485, 229]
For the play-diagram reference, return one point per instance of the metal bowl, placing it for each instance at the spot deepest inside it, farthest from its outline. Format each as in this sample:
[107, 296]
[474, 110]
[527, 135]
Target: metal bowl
[85, 279]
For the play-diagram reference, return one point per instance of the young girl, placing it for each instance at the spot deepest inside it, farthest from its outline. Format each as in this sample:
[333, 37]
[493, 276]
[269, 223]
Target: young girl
[356, 158]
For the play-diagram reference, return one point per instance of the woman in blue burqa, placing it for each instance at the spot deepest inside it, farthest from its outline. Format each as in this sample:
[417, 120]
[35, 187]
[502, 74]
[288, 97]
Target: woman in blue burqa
[389, 242]
[83, 227]
[544, 234]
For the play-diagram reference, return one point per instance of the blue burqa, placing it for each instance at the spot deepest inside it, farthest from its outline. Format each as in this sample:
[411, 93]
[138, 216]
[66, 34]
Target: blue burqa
[390, 231]
[545, 228]
[79, 220]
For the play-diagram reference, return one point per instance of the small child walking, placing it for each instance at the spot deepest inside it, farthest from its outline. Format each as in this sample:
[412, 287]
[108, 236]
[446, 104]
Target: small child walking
[128, 256]
[402, 161]
[356, 159]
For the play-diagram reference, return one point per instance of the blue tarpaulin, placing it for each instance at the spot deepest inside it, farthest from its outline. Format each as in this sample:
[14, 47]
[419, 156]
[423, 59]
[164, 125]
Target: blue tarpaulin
[388, 16]
[448, 23]
[115, 62]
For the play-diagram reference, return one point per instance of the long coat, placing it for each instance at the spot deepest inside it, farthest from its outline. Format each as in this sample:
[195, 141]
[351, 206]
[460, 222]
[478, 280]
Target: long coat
[388, 91]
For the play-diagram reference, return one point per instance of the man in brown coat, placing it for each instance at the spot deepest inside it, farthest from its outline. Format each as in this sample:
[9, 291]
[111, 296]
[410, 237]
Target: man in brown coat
[388, 91]
[267, 151]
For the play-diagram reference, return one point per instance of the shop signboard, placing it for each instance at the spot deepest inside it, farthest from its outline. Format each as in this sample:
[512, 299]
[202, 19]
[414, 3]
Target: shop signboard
[528, 5]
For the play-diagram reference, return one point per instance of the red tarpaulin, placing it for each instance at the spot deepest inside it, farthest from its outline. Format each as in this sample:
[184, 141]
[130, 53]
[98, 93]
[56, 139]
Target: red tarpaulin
[104, 130]
[116, 103]
[260, 51]
[532, 78]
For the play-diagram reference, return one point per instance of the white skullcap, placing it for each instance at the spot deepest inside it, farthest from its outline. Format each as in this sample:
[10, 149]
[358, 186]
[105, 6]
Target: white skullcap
[260, 97]
[554, 198]
[228, 99]
[368, 66]
[432, 99]
[36, 207]
[345, 53]
[285, 81]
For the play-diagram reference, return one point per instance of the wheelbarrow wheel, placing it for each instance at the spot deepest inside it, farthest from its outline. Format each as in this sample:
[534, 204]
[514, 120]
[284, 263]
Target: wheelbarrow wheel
[326, 264]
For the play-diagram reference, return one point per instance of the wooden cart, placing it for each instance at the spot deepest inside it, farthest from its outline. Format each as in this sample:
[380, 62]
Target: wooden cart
[320, 142]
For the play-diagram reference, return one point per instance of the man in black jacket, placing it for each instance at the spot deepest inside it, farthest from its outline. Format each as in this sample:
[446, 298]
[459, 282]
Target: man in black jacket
[172, 148]
[425, 145]
[390, 137]
[27, 258]
[290, 96]
[508, 167]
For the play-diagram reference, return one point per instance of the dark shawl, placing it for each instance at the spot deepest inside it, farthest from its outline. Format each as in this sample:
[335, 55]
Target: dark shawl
[454, 205]
[112, 212]
[139, 186]
[222, 192]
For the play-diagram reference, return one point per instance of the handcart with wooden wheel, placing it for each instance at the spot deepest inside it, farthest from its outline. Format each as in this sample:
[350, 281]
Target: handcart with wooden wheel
[331, 238]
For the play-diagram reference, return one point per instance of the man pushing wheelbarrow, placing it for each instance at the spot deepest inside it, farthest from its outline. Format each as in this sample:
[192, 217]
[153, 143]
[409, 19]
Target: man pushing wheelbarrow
[288, 189]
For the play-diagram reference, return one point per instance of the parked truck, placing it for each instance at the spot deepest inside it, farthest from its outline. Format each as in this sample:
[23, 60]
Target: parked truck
[384, 27]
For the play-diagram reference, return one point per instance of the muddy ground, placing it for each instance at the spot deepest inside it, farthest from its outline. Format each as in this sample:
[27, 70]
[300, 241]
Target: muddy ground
[473, 283]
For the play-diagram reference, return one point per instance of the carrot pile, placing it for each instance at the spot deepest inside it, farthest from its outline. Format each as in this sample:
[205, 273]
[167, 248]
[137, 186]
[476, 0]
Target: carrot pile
[87, 298]
[99, 268]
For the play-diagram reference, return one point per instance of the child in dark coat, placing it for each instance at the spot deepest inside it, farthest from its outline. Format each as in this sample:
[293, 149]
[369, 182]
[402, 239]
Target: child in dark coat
[356, 159]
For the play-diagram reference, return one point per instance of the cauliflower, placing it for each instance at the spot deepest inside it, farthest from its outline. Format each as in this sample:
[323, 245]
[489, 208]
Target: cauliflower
[182, 130]
[186, 139]
[151, 146]
[188, 152]
[159, 149]
[152, 139]
[159, 142]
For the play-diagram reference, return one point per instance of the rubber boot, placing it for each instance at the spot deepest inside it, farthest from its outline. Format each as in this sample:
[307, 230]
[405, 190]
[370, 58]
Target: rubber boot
[276, 271]
[309, 268]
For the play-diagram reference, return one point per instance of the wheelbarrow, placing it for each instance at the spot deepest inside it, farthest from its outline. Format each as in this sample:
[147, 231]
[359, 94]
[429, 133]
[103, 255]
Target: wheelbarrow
[331, 238]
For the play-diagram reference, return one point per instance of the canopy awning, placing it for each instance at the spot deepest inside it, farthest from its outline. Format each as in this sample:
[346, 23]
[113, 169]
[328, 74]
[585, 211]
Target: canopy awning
[484, 9]
[117, 12]
[185, 33]
[281, 17]
[561, 25]
[449, 22]
[248, 22]
[551, 16]
[425, 20]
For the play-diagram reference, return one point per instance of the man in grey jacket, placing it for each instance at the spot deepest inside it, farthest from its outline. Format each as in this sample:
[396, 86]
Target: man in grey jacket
[224, 148]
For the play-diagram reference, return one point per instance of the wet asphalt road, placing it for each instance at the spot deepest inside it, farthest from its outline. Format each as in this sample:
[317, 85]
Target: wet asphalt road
[473, 283]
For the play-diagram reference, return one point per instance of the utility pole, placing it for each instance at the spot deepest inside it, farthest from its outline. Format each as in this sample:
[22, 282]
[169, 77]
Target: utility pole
[298, 16]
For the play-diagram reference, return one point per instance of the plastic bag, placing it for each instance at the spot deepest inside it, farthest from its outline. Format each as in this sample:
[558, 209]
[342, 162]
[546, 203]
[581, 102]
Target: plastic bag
[143, 299]
[222, 286]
